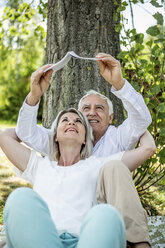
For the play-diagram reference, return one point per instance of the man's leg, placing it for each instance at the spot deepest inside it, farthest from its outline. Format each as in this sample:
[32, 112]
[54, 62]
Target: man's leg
[28, 223]
[141, 245]
[103, 227]
[116, 187]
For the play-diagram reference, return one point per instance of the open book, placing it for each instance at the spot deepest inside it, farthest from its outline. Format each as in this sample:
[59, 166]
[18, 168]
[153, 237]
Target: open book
[66, 59]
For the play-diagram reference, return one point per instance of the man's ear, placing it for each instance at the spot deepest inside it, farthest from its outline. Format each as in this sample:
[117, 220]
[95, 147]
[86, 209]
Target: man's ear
[111, 118]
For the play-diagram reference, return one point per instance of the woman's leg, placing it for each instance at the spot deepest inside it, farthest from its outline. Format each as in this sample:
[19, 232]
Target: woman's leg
[103, 227]
[28, 223]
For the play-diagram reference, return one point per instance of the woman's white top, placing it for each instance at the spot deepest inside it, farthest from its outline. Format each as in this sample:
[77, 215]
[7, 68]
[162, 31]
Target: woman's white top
[69, 191]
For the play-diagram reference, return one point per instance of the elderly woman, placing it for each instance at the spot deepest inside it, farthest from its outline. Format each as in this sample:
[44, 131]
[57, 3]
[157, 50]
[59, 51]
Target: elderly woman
[59, 211]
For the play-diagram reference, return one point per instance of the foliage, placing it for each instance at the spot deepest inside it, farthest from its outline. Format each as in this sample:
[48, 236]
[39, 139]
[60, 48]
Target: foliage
[22, 42]
[143, 63]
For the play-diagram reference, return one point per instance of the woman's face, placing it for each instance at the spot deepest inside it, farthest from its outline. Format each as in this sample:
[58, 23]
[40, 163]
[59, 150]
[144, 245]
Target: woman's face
[70, 128]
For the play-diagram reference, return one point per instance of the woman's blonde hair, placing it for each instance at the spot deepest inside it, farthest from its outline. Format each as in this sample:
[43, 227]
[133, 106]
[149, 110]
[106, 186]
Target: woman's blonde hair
[86, 149]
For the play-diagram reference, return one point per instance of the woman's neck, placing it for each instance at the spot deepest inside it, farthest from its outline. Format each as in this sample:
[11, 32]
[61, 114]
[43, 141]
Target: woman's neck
[69, 155]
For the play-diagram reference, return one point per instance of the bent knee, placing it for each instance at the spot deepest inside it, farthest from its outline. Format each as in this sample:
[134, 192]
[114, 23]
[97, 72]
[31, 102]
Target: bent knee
[18, 198]
[106, 213]
[19, 193]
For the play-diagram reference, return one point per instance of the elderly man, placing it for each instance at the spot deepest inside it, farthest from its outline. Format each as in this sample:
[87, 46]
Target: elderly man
[115, 185]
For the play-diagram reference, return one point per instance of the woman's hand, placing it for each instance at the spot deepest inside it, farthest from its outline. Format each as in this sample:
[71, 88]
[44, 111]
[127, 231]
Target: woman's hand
[39, 84]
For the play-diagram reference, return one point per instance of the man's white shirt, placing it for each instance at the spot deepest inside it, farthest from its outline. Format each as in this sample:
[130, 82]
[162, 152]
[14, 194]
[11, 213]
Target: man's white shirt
[116, 139]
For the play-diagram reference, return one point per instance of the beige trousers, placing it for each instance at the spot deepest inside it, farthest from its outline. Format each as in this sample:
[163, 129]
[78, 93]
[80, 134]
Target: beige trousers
[116, 187]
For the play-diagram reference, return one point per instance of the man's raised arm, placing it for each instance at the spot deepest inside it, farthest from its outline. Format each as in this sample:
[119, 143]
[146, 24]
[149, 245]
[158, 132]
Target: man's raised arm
[139, 117]
[27, 130]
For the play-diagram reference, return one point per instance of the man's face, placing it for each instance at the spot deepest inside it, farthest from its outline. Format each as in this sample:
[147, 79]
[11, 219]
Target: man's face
[96, 110]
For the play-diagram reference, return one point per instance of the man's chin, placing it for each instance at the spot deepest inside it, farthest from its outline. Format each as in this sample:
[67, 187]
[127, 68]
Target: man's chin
[95, 128]
[94, 125]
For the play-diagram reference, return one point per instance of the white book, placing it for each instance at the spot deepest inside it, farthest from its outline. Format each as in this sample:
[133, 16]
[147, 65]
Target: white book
[59, 65]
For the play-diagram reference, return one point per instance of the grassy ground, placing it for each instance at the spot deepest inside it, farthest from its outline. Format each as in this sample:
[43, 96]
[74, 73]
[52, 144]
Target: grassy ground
[154, 199]
[8, 180]
[6, 124]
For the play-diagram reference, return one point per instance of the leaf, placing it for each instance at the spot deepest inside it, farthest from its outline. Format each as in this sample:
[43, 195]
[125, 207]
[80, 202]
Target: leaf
[152, 104]
[154, 160]
[139, 38]
[149, 43]
[161, 153]
[124, 3]
[136, 86]
[163, 182]
[156, 50]
[122, 54]
[162, 132]
[133, 31]
[115, 17]
[155, 89]
[161, 116]
[161, 107]
[159, 18]
[156, 4]
[143, 61]
[163, 94]
[118, 27]
[159, 40]
[162, 160]
[13, 30]
[146, 99]
[153, 31]
[22, 7]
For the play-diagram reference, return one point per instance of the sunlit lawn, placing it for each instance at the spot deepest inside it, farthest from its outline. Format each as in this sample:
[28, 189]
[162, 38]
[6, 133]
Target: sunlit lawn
[154, 200]
[8, 180]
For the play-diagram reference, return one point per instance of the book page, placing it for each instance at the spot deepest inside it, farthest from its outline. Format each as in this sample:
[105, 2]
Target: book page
[59, 65]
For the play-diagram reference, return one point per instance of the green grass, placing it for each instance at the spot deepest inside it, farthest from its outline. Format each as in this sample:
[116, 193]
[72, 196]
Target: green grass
[8, 180]
[154, 200]
[6, 124]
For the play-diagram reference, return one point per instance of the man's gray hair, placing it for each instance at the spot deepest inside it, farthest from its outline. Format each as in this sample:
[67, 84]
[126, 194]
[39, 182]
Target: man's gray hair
[86, 149]
[93, 92]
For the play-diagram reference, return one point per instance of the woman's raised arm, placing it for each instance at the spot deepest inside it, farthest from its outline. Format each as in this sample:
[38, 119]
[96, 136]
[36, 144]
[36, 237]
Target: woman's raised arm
[17, 153]
[133, 158]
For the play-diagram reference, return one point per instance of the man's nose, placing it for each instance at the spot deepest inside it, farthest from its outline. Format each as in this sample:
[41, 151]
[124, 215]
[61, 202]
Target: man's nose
[92, 112]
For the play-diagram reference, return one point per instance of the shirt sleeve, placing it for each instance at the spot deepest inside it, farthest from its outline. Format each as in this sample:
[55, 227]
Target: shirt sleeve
[116, 156]
[139, 118]
[32, 166]
[35, 136]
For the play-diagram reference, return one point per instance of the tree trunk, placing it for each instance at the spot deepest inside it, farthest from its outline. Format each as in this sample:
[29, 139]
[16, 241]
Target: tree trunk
[87, 28]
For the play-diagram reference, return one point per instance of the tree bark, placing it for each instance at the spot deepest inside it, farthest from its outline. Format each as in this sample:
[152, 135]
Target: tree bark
[87, 28]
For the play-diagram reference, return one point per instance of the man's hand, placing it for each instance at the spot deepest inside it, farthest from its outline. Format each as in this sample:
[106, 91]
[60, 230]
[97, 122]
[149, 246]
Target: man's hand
[39, 84]
[110, 69]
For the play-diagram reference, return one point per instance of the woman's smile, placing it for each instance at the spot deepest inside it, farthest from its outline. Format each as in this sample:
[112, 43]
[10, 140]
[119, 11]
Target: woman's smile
[71, 129]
